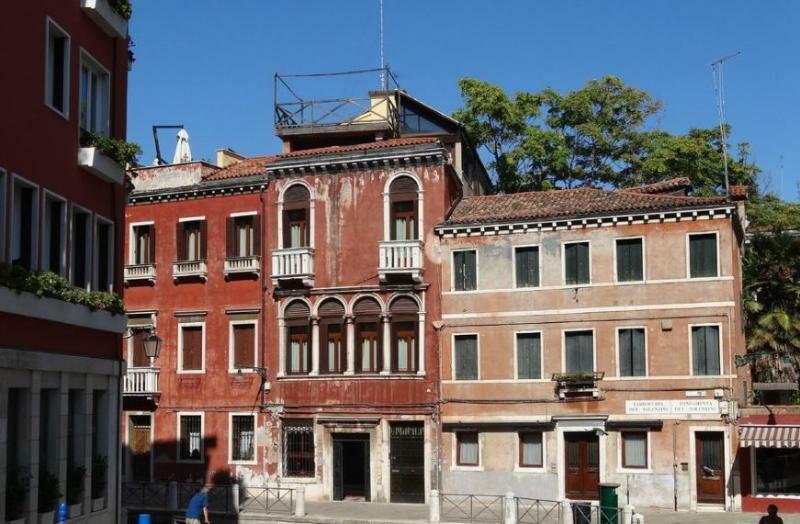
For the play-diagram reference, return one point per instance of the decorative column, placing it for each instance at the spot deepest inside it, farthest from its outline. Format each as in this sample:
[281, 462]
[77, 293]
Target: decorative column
[386, 343]
[350, 333]
[421, 344]
[281, 348]
[314, 346]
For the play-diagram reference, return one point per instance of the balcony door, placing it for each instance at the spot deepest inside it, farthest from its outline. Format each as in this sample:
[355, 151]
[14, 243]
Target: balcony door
[140, 447]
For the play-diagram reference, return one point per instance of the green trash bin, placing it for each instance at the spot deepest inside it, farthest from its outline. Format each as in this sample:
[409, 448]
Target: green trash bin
[609, 504]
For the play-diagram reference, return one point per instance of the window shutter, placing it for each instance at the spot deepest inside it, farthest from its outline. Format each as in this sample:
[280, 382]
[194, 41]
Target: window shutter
[629, 260]
[703, 255]
[203, 239]
[527, 265]
[711, 340]
[367, 307]
[529, 356]
[578, 346]
[576, 263]
[710, 256]
[583, 263]
[151, 254]
[470, 270]
[458, 271]
[331, 308]
[637, 344]
[570, 263]
[297, 310]
[243, 344]
[466, 357]
[698, 351]
[404, 306]
[230, 239]
[625, 356]
[637, 260]
[180, 241]
[256, 235]
[192, 347]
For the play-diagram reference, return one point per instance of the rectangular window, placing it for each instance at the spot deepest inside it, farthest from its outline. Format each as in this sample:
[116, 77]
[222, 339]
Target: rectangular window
[630, 260]
[299, 351]
[776, 471]
[576, 263]
[529, 355]
[104, 255]
[297, 228]
[634, 449]
[579, 351]
[190, 344]
[243, 342]
[466, 357]
[404, 221]
[298, 448]
[368, 351]
[705, 350]
[57, 69]
[242, 236]
[335, 352]
[80, 247]
[467, 449]
[632, 357]
[24, 223]
[530, 449]
[144, 244]
[526, 262]
[94, 96]
[55, 234]
[465, 275]
[191, 238]
[404, 358]
[703, 255]
[190, 436]
[138, 357]
[243, 438]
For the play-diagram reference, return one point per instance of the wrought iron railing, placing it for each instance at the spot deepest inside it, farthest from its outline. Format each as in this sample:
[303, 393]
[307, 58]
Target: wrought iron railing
[145, 494]
[220, 498]
[537, 511]
[586, 513]
[266, 500]
[471, 508]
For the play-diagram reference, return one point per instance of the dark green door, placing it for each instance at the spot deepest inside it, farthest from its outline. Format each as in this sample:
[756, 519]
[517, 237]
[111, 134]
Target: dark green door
[407, 457]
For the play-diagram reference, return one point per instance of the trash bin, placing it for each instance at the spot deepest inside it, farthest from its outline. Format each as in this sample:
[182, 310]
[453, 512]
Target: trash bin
[582, 513]
[144, 518]
[609, 504]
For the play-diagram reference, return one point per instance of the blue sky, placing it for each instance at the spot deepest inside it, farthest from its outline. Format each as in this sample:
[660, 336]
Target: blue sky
[209, 64]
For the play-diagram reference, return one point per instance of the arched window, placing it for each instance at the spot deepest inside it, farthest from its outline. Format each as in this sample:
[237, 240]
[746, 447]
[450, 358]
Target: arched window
[332, 336]
[298, 342]
[368, 357]
[296, 217]
[403, 209]
[405, 319]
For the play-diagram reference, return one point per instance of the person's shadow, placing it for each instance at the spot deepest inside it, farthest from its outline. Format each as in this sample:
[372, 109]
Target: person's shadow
[772, 516]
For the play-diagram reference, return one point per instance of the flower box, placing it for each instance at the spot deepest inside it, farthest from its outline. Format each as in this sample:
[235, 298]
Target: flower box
[100, 165]
[112, 23]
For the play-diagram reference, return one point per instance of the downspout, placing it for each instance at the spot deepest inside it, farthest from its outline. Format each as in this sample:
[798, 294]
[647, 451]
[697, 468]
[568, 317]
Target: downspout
[118, 438]
[263, 327]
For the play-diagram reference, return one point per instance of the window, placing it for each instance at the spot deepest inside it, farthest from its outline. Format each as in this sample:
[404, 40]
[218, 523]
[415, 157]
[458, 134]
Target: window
[576, 263]
[94, 97]
[80, 247]
[579, 351]
[776, 471]
[55, 234]
[404, 335]
[630, 260]
[243, 237]
[634, 449]
[465, 356]
[297, 317]
[296, 227]
[526, 264]
[368, 357]
[530, 449]
[467, 449]
[24, 223]
[191, 347]
[191, 236]
[143, 244]
[190, 437]
[104, 255]
[298, 448]
[243, 344]
[403, 202]
[333, 347]
[465, 274]
[529, 356]
[703, 255]
[243, 438]
[57, 69]
[632, 355]
[705, 350]
[137, 356]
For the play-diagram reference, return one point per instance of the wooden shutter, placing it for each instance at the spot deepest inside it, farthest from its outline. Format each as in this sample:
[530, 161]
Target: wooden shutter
[180, 240]
[638, 353]
[703, 255]
[629, 260]
[466, 354]
[192, 338]
[458, 271]
[367, 307]
[297, 310]
[244, 336]
[296, 193]
[139, 358]
[576, 263]
[404, 306]
[331, 308]
[579, 352]
[203, 239]
[151, 254]
[529, 356]
[404, 185]
[705, 350]
[527, 266]
[256, 235]
[231, 238]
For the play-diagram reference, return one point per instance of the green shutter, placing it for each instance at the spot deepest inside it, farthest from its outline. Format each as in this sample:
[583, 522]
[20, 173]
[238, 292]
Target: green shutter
[458, 271]
[576, 263]
[629, 260]
[703, 255]
[464, 271]
[526, 260]
[466, 354]
[470, 271]
[529, 356]
[579, 352]
[625, 360]
[705, 350]
[639, 366]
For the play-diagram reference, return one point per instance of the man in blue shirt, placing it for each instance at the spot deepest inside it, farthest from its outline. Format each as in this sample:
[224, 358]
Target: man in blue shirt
[198, 507]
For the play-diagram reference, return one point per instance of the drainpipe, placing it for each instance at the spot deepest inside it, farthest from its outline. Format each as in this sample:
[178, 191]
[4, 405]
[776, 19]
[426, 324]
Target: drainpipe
[438, 326]
[120, 458]
[675, 465]
[262, 332]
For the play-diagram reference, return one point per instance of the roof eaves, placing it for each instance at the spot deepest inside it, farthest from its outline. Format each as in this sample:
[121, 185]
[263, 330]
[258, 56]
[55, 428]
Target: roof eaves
[357, 155]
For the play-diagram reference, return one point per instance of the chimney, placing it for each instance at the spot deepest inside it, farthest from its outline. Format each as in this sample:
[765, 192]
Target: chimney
[227, 157]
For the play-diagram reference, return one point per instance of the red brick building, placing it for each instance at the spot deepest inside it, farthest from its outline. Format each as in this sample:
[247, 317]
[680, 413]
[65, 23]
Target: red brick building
[61, 210]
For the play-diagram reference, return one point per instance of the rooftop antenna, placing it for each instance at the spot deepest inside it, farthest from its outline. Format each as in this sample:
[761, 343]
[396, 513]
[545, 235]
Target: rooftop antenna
[383, 64]
[717, 72]
[781, 175]
[159, 160]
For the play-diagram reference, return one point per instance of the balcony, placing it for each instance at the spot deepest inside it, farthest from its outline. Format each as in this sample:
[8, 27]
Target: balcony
[141, 382]
[93, 161]
[293, 264]
[110, 21]
[578, 385]
[189, 269]
[400, 258]
[135, 272]
[239, 265]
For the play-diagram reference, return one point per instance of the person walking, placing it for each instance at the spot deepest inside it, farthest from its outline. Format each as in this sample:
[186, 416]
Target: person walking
[198, 507]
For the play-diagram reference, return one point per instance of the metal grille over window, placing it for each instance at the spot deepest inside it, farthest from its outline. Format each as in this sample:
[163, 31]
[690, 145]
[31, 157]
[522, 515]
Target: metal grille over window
[243, 437]
[298, 449]
[191, 438]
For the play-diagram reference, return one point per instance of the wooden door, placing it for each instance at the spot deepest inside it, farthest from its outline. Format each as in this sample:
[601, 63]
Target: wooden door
[140, 448]
[407, 459]
[582, 465]
[709, 461]
[338, 470]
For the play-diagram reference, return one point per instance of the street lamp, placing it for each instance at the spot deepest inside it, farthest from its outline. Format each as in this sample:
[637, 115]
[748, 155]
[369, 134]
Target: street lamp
[152, 345]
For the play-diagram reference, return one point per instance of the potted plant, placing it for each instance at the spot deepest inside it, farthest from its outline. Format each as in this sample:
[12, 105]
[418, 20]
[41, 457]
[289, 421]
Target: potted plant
[48, 496]
[17, 487]
[75, 476]
[99, 476]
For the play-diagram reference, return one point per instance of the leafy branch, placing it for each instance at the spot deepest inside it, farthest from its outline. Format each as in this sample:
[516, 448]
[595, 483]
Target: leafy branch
[121, 152]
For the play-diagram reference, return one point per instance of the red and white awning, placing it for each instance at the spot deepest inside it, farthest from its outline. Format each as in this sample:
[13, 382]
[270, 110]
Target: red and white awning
[769, 436]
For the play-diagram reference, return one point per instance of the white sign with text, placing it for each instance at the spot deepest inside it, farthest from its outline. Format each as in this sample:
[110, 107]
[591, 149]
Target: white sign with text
[672, 407]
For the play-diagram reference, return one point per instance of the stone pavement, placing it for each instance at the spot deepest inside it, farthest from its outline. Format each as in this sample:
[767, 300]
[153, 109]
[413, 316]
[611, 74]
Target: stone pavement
[665, 516]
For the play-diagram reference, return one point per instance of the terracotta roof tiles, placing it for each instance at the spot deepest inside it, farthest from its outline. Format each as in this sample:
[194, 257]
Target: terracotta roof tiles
[248, 167]
[665, 186]
[367, 146]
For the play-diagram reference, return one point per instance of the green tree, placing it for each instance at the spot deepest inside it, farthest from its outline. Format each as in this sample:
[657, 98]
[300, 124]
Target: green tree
[767, 212]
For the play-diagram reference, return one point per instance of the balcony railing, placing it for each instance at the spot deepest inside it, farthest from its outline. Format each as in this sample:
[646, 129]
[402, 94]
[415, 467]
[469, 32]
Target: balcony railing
[400, 257]
[235, 265]
[189, 269]
[296, 263]
[140, 381]
[140, 272]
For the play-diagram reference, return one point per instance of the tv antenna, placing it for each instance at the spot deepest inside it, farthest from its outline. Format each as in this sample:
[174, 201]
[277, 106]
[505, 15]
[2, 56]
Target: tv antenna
[717, 71]
[383, 63]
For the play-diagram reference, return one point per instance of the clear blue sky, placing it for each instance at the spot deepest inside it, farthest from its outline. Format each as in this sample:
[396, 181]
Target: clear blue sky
[209, 64]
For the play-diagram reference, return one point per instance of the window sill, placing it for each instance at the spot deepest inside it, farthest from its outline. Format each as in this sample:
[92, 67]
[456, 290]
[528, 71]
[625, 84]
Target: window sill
[300, 480]
[243, 462]
[398, 376]
[188, 461]
[466, 468]
[775, 496]
[530, 469]
[62, 114]
[634, 471]
[190, 372]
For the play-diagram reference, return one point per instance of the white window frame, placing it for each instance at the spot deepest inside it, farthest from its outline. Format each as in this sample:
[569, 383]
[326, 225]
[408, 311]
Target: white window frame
[644, 260]
[132, 239]
[646, 353]
[4, 223]
[564, 263]
[541, 356]
[453, 270]
[98, 220]
[453, 352]
[514, 265]
[454, 466]
[49, 196]
[94, 66]
[230, 438]
[51, 24]
[387, 206]
[564, 346]
[202, 416]
[143, 327]
[691, 348]
[15, 180]
[311, 213]
[179, 368]
[518, 467]
[231, 323]
[648, 457]
[73, 208]
[689, 256]
[243, 214]
[191, 219]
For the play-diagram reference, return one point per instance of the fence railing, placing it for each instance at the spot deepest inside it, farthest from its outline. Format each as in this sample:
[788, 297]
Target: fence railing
[471, 508]
[220, 497]
[585, 513]
[266, 500]
[145, 495]
[536, 511]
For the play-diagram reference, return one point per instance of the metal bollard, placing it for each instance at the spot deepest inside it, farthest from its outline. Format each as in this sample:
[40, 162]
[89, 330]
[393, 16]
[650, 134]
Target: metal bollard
[510, 508]
[300, 503]
[172, 495]
[627, 514]
[566, 512]
[235, 498]
[435, 514]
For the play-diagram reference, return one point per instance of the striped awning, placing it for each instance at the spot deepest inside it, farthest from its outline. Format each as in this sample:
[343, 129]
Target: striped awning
[769, 436]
